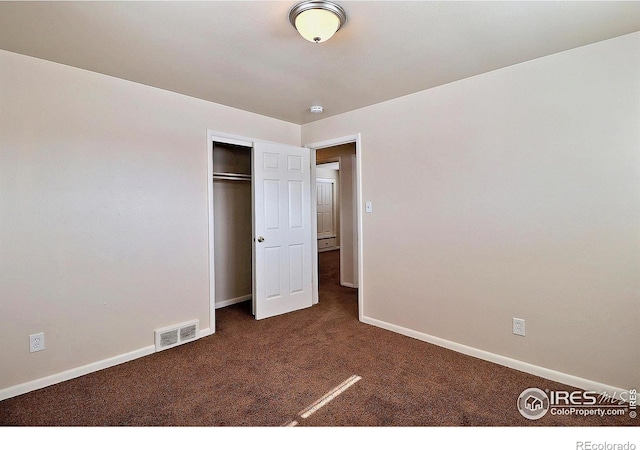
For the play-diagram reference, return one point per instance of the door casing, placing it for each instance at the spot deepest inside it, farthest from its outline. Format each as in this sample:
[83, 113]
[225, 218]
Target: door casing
[354, 138]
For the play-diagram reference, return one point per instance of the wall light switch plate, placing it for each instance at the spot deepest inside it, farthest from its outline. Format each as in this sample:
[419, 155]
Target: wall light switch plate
[368, 207]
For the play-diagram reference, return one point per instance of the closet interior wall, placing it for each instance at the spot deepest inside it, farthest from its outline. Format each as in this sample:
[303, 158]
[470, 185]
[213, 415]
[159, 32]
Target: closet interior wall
[232, 217]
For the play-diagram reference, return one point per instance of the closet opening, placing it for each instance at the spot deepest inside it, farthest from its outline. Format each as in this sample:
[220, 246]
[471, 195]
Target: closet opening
[232, 224]
[261, 238]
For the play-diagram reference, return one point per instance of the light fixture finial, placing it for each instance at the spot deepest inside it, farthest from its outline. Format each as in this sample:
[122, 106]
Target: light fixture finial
[317, 21]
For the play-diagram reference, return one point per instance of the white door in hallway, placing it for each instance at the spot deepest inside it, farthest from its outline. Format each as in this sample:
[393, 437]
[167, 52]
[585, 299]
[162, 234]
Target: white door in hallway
[325, 208]
[282, 229]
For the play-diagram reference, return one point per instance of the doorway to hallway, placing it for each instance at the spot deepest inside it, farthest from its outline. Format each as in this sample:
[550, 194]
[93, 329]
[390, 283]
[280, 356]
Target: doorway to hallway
[336, 209]
[346, 151]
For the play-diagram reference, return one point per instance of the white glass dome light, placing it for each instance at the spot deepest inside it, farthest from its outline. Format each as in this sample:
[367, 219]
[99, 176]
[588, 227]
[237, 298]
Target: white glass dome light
[317, 21]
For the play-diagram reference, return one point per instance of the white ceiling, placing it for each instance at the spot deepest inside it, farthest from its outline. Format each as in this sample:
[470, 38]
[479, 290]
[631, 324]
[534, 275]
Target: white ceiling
[247, 55]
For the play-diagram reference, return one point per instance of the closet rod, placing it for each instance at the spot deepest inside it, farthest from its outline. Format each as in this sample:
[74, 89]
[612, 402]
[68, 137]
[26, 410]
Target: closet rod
[231, 176]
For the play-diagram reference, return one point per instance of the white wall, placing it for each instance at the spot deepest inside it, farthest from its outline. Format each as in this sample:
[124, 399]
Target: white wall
[103, 212]
[515, 193]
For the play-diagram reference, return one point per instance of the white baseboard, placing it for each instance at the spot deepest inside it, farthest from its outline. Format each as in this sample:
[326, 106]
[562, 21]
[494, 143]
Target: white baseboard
[233, 301]
[543, 372]
[532, 369]
[204, 332]
[50, 380]
[40, 383]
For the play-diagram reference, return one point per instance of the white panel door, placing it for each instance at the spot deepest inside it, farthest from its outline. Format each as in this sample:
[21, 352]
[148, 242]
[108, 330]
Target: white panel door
[325, 209]
[282, 229]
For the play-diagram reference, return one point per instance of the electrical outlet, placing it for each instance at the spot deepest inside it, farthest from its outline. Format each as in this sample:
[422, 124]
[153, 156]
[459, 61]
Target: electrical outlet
[36, 342]
[518, 326]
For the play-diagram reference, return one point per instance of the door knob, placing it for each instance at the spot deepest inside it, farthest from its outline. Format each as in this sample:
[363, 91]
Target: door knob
[260, 239]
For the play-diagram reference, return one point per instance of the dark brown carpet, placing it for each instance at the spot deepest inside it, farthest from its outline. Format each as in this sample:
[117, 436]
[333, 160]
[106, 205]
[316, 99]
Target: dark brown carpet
[264, 373]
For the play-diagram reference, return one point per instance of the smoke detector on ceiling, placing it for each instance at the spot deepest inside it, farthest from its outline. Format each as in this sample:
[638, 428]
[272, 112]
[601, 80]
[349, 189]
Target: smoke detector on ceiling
[316, 109]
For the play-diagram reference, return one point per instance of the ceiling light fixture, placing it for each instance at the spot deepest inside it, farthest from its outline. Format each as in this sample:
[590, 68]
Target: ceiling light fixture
[316, 109]
[317, 21]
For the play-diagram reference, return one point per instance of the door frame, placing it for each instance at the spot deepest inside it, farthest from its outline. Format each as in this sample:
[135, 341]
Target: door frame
[214, 136]
[332, 143]
[226, 138]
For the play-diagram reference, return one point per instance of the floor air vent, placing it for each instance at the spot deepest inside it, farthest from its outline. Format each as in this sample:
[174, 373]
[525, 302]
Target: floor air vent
[175, 335]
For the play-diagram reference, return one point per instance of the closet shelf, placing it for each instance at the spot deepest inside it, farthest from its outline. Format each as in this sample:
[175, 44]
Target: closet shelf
[231, 176]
